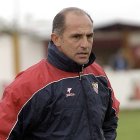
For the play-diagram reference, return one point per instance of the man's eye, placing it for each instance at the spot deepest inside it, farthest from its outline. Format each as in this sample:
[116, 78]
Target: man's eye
[90, 36]
[77, 36]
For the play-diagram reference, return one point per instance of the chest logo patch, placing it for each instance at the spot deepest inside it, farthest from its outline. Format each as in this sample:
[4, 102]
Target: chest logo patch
[69, 93]
[95, 86]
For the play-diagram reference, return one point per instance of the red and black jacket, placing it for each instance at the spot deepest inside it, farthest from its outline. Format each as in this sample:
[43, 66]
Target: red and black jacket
[58, 99]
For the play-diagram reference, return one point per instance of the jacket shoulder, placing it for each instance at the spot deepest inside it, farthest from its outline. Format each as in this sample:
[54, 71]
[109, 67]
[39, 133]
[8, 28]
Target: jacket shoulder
[27, 82]
[96, 69]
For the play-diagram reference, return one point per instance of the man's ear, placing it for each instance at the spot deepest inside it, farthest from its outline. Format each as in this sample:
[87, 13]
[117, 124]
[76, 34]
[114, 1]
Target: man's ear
[56, 39]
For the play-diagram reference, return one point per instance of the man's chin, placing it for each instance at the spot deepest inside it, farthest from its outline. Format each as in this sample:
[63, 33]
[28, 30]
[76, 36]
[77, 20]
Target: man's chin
[83, 62]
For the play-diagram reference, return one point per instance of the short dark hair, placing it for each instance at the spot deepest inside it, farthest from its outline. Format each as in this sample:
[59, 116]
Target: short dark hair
[59, 19]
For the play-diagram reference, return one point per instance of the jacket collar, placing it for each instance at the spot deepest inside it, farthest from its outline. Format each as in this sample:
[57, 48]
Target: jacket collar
[61, 61]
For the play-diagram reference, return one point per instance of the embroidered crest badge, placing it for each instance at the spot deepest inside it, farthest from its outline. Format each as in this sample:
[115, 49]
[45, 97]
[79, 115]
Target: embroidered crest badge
[95, 86]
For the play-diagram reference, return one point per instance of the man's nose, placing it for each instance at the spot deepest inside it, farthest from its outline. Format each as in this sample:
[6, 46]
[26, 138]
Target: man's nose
[84, 42]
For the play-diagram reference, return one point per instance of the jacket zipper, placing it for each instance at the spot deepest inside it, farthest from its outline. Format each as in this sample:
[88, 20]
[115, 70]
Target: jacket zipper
[84, 92]
[81, 72]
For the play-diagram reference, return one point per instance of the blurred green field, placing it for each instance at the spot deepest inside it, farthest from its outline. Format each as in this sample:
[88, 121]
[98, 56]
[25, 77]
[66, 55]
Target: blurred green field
[129, 125]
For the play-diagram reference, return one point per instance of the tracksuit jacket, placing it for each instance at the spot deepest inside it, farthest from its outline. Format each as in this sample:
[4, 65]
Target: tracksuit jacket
[57, 99]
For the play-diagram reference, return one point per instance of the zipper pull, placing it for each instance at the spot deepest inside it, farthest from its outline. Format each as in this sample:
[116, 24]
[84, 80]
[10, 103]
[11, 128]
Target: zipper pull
[81, 72]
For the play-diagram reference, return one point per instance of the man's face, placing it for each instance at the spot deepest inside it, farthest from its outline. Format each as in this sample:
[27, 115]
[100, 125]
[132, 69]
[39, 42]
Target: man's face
[77, 39]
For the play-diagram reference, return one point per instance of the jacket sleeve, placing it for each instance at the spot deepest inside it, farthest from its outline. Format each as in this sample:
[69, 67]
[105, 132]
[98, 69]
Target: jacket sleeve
[8, 111]
[111, 118]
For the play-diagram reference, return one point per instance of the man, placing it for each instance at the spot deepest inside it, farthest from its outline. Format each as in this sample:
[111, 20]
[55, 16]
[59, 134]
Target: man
[65, 97]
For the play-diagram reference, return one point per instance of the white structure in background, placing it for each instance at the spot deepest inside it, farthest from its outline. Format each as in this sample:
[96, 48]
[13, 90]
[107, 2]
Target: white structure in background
[6, 63]
[31, 51]
[126, 85]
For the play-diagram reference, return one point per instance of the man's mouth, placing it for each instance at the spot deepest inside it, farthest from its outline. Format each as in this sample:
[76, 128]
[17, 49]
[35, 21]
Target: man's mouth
[83, 53]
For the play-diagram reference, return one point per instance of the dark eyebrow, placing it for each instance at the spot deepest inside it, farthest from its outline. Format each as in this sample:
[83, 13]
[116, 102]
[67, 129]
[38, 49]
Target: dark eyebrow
[90, 34]
[80, 34]
[76, 34]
